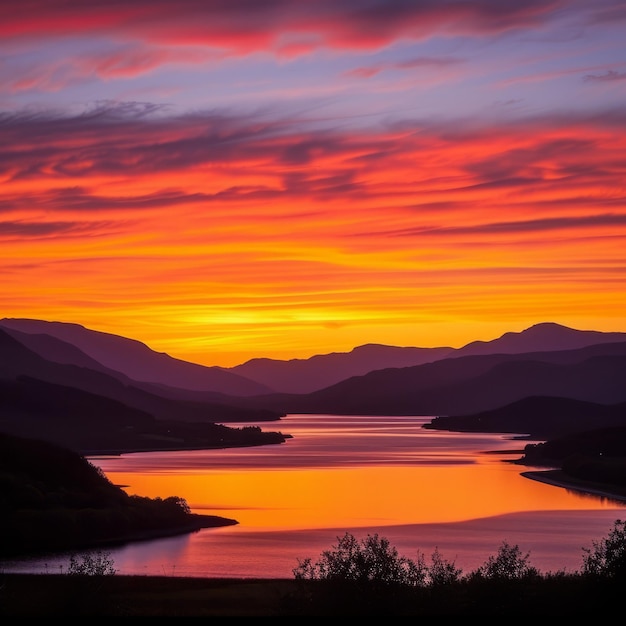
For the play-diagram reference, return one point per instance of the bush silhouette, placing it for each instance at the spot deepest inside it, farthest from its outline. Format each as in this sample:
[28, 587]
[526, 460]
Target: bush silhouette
[91, 564]
[507, 564]
[372, 560]
[607, 557]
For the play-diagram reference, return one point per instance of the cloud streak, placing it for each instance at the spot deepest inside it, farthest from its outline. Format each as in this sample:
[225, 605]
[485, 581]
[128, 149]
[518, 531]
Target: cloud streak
[246, 26]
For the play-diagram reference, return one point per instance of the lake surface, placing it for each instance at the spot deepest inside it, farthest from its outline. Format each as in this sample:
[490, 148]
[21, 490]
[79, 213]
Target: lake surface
[422, 489]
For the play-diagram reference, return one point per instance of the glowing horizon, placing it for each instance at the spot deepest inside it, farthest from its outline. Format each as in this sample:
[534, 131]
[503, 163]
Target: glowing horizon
[224, 182]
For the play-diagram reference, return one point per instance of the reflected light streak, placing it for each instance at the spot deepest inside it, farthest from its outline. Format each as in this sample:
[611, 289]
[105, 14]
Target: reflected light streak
[348, 471]
[356, 497]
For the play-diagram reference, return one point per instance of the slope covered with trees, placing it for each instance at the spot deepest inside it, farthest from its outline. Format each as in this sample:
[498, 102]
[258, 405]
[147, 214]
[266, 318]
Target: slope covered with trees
[53, 499]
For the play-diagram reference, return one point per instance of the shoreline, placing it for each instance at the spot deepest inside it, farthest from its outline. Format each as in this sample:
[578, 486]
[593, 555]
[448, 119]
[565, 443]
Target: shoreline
[194, 523]
[558, 478]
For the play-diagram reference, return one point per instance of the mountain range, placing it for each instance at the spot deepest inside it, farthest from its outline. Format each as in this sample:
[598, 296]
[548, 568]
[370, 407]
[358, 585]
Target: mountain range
[320, 371]
[50, 371]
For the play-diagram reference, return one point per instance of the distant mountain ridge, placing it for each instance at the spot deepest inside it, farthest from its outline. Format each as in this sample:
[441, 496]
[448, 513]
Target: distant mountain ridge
[323, 370]
[262, 376]
[543, 337]
[87, 409]
[584, 366]
[320, 371]
[135, 359]
[468, 384]
[17, 360]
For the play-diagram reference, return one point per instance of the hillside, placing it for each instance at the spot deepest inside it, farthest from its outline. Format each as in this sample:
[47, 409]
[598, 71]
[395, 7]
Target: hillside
[466, 385]
[89, 410]
[43, 358]
[304, 376]
[538, 417]
[93, 424]
[130, 357]
[52, 499]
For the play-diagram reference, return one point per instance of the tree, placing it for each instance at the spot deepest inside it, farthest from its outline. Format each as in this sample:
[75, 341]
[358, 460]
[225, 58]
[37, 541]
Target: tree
[372, 560]
[507, 564]
[91, 564]
[607, 557]
[442, 571]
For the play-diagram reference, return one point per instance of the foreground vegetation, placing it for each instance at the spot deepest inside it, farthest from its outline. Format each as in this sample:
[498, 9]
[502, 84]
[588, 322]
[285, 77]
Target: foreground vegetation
[366, 577]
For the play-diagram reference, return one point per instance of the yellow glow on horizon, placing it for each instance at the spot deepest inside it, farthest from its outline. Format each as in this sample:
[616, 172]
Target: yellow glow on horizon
[256, 256]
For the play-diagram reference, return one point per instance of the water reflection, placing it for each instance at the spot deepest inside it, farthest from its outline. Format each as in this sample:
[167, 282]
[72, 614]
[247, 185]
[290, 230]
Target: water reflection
[364, 474]
[347, 471]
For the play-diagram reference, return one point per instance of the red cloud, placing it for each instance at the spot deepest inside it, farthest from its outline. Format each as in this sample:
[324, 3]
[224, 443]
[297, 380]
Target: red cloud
[127, 63]
[241, 25]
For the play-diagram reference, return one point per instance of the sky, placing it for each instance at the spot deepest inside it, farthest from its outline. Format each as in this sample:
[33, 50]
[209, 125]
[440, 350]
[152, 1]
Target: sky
[225, 180]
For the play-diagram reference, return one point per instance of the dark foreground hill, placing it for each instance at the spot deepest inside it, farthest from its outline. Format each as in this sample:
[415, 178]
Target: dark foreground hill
[52, 499]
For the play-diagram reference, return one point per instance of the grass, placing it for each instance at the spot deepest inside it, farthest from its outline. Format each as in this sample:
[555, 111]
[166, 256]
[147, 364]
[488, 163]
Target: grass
[33, 595]
[39, 595]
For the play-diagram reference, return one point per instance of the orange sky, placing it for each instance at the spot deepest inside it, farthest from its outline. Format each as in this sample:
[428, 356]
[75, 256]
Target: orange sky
[386, 190]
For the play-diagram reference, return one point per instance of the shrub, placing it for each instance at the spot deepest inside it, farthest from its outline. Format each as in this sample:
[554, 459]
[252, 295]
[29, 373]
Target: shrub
[441, 571]
[91, 564]
[607, 557]
[507, 564]
[371, 560]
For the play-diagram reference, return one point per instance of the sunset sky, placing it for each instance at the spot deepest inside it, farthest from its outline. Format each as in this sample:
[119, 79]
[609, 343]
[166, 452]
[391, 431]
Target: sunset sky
[229, 179]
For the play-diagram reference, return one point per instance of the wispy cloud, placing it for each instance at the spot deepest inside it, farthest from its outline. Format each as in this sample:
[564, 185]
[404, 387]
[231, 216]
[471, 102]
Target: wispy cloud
[608, 76]
[38, 230]
[428, 63]
[244, 25]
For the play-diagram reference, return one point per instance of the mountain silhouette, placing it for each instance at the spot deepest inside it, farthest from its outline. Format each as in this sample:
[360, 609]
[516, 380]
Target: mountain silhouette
[462, 385]
[93, 424]
[135, 359]
[323, 370]
[546, 336]
[18, 360]
[81, 407]
[583, 366]
[317, 372]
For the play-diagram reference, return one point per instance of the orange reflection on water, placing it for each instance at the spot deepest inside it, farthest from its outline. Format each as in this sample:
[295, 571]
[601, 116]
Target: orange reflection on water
[358, 496]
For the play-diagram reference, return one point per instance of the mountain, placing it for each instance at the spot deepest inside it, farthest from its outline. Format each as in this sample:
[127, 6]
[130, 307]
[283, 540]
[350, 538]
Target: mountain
[303, 376]
[88, 410]
[469, 384]
[92, 424]
[323, 370]
[585, 366]
[130, 357]
[17, 360]
[543, 337]
[183, 380]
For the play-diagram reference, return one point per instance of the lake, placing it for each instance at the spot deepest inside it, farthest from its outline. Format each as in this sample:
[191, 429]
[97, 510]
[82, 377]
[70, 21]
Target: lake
[421, 489]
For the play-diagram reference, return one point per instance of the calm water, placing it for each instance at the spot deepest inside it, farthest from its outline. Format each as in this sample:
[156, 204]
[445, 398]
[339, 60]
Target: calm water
[421, 489]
